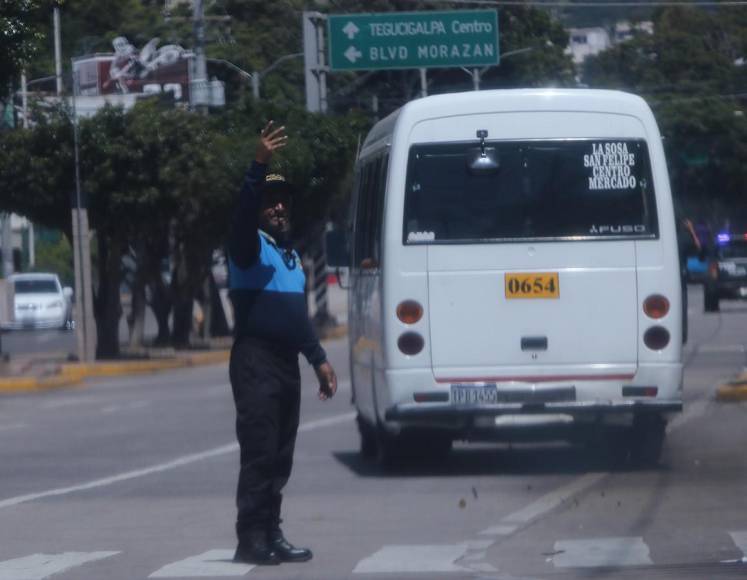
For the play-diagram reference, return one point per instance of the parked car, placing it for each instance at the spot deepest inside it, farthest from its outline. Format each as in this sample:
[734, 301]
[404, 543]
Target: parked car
[727, 271]
[40, 301]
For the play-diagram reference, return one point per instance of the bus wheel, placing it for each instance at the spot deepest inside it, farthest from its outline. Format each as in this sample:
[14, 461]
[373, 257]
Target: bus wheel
[367, 433]
[647, 440]
[710, 301]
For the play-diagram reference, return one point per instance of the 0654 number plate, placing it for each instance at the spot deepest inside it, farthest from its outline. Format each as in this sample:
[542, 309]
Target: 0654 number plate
[532, 285]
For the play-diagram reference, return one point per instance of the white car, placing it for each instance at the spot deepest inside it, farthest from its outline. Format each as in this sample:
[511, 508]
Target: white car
[39, 301]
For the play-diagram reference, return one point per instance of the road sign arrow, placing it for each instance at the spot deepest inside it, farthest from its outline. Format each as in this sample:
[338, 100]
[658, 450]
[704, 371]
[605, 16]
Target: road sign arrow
[351, 30]
[353, 54]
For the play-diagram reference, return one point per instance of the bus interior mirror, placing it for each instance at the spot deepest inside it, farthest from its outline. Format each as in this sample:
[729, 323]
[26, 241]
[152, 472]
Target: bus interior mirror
[337, 248]
[483, 160]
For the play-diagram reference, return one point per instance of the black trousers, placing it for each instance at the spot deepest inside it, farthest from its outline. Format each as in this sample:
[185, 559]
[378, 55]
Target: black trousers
[267, 391]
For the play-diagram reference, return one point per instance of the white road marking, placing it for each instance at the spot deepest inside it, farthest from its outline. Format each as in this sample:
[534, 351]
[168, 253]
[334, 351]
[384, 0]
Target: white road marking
[553, 499]
[512, 522]
[69, 402]
[223, 390]
[499, 530]
[109, 409]
[721, 348]
[478, 544]
[740, 540]
[212, 563]
[39, 566]
[601, 552]
[328, 422]
[173, 464]
[12, 426]
[403, 559]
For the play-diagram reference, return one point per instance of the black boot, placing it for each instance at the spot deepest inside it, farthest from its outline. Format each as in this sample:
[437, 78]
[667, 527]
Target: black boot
[285, 551]
[254, 548]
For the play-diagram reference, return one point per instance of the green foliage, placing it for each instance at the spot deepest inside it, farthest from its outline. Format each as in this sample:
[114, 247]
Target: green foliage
[689, 71]
[55, 256]
[19, 37]
[37, 171]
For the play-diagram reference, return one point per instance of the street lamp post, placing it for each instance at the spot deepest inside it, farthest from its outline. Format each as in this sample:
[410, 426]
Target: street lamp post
[477, 73]
[85, 327]
[256, 77]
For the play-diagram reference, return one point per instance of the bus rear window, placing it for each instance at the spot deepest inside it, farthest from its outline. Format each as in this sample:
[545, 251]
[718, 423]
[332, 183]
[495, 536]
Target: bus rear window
[542, 190]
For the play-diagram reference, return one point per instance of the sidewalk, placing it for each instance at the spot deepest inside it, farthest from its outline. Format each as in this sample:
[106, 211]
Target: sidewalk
[27, 373]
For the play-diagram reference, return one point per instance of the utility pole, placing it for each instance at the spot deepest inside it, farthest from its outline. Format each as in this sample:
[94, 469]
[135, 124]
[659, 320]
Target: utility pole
[57, 50]
[85, 327]
[7, 243]
[200, 88]
[314, 62]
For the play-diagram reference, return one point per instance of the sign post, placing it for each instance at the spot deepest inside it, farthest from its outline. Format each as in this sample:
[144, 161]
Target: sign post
[402, 40]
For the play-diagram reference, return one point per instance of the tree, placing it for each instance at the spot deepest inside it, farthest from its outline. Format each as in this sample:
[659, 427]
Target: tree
[691, 71]
[19, 37]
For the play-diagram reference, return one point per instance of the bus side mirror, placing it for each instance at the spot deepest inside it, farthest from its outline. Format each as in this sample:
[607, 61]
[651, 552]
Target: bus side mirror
[337, 248]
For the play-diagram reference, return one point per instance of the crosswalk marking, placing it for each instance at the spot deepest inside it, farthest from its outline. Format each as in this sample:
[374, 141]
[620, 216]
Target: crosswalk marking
[601, 552]
[40, 566]
[211, 563]
[499, 530]
[403, 559]
[740, 540]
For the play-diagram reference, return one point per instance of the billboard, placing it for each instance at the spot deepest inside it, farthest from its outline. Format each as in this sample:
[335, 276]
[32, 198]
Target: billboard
[128, 71]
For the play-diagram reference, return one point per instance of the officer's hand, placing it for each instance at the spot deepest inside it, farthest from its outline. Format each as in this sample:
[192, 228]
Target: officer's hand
[270, 140]
[327, 381]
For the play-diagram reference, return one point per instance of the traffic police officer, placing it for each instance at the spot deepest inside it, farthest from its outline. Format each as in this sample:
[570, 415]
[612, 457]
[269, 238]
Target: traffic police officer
[267, 288]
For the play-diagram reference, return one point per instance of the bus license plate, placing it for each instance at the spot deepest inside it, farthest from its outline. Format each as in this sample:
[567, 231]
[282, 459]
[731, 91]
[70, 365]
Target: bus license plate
[474, 395]
[532, 285]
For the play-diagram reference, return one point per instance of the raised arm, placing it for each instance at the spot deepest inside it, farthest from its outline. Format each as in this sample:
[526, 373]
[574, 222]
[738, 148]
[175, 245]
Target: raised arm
[243, 241]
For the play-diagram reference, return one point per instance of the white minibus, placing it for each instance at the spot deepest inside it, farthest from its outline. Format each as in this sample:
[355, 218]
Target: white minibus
[514, 273]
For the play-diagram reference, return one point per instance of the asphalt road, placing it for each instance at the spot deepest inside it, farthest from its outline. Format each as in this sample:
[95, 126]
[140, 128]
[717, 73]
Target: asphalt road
[133, 478]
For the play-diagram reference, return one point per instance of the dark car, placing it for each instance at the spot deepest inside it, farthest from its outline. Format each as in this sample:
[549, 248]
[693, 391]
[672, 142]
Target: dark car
[727, 271]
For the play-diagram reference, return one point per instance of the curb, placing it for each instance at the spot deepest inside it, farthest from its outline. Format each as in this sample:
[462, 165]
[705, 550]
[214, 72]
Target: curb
[733, 391]
[72, 374]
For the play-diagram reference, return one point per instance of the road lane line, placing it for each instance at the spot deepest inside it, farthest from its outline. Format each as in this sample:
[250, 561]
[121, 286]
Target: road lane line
[404, 559]
[173, 464]
[73, 401]
[109, 409]
[212, 563]
[601, 552]
[40, 566]
[740, 540]
[329, 421]
[499, 531]
[553, 499]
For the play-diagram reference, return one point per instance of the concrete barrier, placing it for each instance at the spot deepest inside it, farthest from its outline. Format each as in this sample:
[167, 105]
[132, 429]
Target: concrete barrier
[733, 391]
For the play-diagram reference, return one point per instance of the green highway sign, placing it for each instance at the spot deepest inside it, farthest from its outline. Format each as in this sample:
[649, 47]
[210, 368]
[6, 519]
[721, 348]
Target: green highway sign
[390, 40]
